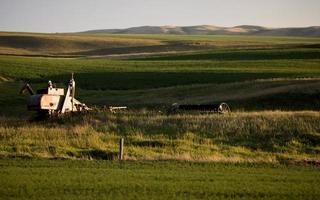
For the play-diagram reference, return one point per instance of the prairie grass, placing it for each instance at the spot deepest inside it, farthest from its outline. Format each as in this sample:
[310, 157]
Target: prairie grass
[270, 137]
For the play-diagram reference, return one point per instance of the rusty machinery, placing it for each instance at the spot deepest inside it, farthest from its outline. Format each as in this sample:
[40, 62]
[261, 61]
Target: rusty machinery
[52, 101]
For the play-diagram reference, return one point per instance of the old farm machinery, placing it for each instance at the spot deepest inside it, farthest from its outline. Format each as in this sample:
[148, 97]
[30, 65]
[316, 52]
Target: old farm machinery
[221, 108]
[52, 101]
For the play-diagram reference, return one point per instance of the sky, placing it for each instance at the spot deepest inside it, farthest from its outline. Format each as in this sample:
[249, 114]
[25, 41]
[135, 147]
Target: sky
[81, 15]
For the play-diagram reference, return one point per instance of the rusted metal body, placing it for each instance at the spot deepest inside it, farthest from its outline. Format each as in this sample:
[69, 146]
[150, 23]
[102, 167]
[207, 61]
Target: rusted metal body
[54, 101]
[220, 108]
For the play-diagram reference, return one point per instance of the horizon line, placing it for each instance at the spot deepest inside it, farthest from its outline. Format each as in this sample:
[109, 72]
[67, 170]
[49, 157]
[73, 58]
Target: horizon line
[168, 25]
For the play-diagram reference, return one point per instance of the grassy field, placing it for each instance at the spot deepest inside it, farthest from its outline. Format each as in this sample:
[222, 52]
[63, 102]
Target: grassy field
[96, 44]
[261, 137]
[249, 73]
[195, 78]
[267, 148]
[63, 179]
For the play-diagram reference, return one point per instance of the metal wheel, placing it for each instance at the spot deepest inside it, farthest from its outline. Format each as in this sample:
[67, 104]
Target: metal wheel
[223, 108]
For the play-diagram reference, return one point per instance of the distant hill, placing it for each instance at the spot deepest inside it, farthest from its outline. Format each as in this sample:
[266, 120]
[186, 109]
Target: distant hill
[313, 31]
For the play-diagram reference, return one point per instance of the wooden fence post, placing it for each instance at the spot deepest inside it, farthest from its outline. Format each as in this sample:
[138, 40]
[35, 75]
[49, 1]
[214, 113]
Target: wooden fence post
[121, 149]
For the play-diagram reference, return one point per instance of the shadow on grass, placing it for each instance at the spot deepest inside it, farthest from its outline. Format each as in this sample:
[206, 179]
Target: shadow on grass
[96, 154]
[151, 143]
[169, 46]
[280, 101]
[149, 80]
[241, 55]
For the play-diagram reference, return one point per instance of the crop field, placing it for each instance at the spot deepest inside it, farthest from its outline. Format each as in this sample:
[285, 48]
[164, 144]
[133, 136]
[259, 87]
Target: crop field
[267, 148]
[63, 179]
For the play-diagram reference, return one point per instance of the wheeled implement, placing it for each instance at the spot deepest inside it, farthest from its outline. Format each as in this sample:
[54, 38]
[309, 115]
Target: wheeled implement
[53, 101]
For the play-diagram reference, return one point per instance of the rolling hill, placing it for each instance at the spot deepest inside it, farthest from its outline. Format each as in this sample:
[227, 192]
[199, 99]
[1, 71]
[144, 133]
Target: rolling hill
[124, 45]
[313, 31]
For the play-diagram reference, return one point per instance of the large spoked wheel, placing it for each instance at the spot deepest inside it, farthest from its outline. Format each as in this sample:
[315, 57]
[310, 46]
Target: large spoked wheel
[223, 108]
[174, 108]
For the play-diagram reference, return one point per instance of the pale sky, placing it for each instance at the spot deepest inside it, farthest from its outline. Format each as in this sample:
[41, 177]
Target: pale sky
[81, 15]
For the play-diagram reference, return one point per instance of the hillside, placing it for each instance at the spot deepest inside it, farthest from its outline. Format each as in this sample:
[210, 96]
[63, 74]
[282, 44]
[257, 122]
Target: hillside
[313, 31]
[135, 45]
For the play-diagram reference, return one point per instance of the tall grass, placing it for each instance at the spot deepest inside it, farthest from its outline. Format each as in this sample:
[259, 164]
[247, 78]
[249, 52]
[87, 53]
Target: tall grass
[238, 137]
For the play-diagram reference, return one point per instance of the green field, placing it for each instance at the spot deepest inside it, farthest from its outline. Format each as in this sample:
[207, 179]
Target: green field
[57, 179]
[250, 73]
[267, 148]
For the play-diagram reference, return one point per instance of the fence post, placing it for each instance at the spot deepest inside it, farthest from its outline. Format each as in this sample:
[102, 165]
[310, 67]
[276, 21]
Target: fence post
[121, 149]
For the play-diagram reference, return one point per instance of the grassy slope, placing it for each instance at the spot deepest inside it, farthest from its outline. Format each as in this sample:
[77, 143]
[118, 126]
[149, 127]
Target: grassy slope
[83, 44]
[21, 68]
[272, 137]
[61, 44]
[132, 82]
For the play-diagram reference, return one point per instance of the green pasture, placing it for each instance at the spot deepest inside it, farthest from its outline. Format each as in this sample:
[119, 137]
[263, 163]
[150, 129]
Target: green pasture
[199, 77]
[66, 179]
